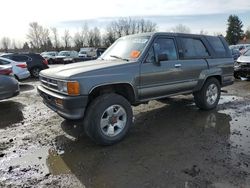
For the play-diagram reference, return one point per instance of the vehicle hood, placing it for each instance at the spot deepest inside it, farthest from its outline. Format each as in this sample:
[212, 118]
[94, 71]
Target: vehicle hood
[81, 68]
[243, 59]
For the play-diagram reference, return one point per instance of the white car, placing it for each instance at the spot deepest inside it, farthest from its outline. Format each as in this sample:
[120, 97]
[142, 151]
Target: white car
[19, 69]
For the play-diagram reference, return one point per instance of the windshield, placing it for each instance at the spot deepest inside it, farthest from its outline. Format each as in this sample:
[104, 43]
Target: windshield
[64, 53]
[126, 48]
[247, 53]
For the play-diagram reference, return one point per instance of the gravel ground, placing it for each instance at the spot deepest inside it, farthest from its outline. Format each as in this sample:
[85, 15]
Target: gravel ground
[171, 144]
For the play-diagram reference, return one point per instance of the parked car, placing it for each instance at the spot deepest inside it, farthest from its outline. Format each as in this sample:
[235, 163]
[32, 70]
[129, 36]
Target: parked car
[135, 70]
[64, 57]
[19, 69]
[241, 47]
[83, 54]
[235, 53]
[9, 86]
[242, 66]
[50, 56]
[35, 62]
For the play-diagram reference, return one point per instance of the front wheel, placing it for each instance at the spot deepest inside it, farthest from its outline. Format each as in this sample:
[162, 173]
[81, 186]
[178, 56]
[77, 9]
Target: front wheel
[108, 119]
[208, 97]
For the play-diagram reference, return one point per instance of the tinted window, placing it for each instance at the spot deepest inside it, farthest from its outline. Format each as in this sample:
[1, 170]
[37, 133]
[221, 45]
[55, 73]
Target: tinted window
[217, 45]
[20, 58]
[193, 48]
[165, 46]
[3, 62]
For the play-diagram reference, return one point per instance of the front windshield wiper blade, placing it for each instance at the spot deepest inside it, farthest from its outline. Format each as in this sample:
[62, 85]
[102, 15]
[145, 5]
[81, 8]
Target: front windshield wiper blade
[117, 57]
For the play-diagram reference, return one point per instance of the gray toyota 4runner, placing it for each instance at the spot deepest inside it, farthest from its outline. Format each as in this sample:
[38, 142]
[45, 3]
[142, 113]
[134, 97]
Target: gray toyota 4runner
[134, 70]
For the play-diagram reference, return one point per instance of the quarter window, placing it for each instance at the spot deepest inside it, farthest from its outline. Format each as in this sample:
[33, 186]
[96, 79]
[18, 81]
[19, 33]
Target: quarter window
[193, 48]
[217, 46]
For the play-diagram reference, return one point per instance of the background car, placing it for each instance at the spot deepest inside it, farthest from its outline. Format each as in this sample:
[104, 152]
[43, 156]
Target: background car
[35, 62]
[67, 57]
[19, 69]
[50, 56]
[9, 86]
[235, 53]
[242, 65]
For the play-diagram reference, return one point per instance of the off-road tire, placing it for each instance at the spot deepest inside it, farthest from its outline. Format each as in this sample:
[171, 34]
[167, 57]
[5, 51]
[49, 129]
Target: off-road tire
[200, 97]
[94, 113]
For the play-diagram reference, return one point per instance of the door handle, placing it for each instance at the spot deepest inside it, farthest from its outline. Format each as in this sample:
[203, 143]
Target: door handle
[177, 65]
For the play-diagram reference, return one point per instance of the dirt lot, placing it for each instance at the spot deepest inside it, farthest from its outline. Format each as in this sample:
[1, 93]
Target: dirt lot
[171, 144]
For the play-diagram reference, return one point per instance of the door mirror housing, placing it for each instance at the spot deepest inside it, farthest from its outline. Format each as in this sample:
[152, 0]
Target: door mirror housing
[161, 57]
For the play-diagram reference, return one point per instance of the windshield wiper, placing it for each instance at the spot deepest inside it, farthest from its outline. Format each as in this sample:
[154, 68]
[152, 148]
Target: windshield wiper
[117, 57]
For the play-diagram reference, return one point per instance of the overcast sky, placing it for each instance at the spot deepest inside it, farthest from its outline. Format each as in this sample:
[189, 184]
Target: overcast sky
[209, 15]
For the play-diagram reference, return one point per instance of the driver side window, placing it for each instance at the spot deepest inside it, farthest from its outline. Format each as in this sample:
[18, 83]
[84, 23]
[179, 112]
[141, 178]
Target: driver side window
[162, 46]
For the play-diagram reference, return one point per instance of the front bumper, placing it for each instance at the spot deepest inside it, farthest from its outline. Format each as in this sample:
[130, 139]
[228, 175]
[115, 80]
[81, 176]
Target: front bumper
[70, 107]
[242, 71]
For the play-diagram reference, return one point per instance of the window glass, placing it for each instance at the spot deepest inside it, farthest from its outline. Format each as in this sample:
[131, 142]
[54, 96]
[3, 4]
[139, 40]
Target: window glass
[167, 47]
[217, 45]
[3, 62]
[150, 56]
[193, 48]
[20, 58]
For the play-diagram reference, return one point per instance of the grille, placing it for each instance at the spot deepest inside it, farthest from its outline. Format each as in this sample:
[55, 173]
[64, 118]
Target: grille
[50, 83]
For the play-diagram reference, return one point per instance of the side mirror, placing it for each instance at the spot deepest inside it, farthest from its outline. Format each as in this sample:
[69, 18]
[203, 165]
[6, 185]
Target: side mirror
[161, 57]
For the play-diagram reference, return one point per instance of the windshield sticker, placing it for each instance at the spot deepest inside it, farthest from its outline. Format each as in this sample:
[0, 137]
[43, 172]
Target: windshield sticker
[135, 54]
[140, 40]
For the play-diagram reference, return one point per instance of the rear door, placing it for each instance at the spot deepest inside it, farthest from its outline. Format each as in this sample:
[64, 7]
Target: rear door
[193, 57]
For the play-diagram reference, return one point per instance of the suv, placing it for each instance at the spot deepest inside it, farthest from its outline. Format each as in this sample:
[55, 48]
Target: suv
[35, 62]
[135, 70]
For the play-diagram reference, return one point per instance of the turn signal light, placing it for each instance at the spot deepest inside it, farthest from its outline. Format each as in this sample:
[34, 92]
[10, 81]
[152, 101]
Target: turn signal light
[73, 88]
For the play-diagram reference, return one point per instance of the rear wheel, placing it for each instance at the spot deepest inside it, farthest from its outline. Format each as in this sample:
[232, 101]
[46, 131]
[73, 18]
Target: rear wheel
[35, 72]
[108, 119]
[208, 97]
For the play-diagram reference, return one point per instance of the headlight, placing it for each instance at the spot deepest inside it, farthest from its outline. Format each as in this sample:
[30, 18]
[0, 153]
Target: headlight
[62, 86]
[70, 87]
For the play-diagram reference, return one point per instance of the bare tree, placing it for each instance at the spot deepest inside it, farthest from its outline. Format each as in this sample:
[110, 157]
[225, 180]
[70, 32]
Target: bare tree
[66, 39]
[94, 38]
[55, 38]
[6, 43]
[34, 34]
[127, 26]
[181, 29]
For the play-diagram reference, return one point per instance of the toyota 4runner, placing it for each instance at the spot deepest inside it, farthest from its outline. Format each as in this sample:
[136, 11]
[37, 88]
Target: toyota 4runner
[134, 70]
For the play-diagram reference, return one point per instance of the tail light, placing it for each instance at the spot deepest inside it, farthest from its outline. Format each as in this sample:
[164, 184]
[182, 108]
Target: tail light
[22, 65]
[6, 71]
[45, 62]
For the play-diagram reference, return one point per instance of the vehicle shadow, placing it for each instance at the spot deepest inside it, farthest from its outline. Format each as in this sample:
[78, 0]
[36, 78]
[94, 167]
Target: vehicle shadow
[161, 146]
[11, 113]
[26, 87]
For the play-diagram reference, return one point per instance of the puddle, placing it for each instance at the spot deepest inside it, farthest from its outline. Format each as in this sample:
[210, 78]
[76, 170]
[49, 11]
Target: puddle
[10, 113]
[33, 162]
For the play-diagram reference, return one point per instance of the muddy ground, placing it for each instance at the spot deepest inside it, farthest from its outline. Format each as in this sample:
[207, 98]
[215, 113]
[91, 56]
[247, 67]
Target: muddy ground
[172, 144]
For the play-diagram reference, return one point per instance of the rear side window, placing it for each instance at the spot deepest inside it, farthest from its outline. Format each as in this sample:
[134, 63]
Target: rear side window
[217, 45]
[3, 62]
[20, 58]
[193, 48]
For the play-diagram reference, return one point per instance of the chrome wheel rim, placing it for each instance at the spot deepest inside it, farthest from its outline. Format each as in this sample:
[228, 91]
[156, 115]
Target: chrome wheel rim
[113, 120]
[212, 94]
